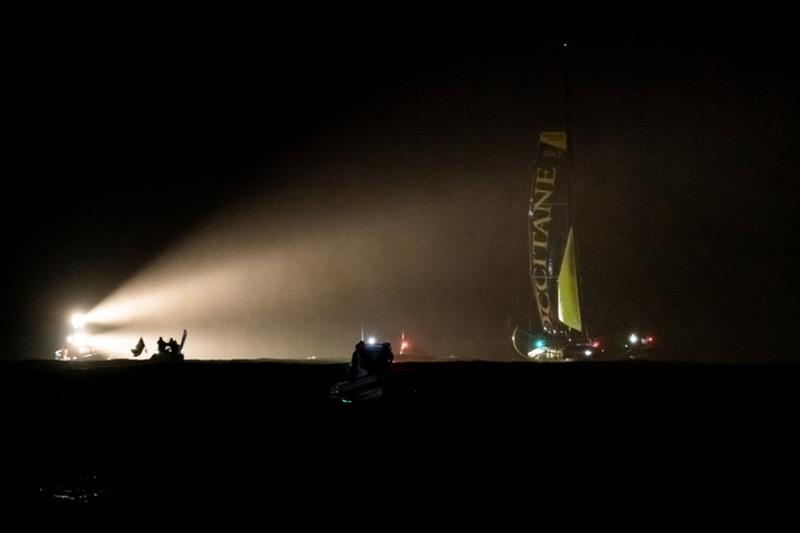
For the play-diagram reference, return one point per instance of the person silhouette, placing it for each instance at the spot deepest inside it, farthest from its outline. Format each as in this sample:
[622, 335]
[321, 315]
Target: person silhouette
[356, 369]
[174, 349]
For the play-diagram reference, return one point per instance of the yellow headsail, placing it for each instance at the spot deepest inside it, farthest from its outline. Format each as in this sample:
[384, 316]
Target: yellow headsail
[569, 308]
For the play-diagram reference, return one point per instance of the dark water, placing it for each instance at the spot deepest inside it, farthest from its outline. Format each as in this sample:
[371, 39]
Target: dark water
[100, 437]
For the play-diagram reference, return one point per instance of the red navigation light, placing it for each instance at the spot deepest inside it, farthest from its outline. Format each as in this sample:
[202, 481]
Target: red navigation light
[596, 344]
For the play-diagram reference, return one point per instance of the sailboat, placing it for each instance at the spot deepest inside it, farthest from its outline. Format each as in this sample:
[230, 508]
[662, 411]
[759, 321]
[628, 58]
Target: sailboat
[554, 263]
[553, 260]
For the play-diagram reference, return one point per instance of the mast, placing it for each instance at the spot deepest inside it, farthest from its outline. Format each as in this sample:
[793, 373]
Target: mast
[573, 219]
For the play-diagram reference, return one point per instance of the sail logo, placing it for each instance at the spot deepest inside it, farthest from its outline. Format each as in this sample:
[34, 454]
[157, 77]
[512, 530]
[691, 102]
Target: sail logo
[552, 154]
[540, 216]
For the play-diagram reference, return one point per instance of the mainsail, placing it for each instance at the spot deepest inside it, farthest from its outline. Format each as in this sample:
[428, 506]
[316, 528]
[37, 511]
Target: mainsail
[553, 268]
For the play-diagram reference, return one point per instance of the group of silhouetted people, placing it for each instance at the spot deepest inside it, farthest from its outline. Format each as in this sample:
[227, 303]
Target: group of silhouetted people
[170, 347]
[167, 351]
[371, 360]
[368, 370]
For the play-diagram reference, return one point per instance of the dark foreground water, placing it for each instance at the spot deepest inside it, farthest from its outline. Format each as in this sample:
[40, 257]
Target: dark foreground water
[101, 437]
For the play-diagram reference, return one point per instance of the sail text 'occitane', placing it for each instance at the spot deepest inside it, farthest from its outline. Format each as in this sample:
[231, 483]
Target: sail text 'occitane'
[541, 214]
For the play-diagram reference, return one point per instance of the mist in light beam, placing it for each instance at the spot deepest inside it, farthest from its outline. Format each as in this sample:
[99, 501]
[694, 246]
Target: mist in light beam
[292, 271]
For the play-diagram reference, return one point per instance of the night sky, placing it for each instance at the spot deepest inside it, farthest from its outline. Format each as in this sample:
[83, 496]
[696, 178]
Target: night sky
[129, 138]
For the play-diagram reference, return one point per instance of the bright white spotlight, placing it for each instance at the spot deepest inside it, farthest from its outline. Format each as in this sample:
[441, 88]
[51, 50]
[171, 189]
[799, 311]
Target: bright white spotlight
[633, 338]
[587, 353]
[81, 340]
[371, 340]
[78, 320]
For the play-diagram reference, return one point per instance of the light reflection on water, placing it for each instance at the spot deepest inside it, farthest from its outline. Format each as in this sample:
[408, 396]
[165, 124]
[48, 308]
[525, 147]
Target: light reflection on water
[81, 489]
